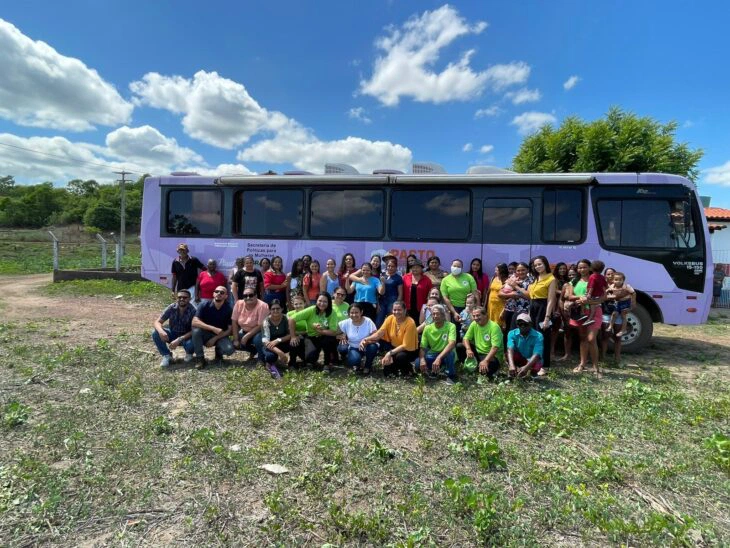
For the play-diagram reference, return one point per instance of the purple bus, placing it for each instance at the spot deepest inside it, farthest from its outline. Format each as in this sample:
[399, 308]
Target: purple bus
[649, 226]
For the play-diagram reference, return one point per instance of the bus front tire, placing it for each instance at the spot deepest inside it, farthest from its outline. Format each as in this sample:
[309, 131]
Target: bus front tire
[639, 333]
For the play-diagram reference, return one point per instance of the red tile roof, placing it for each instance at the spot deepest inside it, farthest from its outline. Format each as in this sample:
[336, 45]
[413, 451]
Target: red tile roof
[717, 214]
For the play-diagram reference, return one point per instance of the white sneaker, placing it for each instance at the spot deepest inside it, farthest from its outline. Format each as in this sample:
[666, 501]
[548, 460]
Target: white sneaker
[188, 358]
[165, 362]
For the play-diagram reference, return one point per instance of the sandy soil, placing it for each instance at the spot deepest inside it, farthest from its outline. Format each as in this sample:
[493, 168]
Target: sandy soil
[90, 318]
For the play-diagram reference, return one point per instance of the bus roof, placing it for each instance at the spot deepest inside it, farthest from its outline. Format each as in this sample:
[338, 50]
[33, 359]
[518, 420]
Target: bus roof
[437, 179]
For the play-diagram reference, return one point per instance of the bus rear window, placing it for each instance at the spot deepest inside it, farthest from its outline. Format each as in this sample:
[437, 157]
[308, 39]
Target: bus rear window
[647, 223]
[194, 212]
[274, 213]
[346, 214]
[433, 215]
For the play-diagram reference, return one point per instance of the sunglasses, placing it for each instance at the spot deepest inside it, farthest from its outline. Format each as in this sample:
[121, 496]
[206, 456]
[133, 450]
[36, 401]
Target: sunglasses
[248, 295]
[184, 297]
[218, 291]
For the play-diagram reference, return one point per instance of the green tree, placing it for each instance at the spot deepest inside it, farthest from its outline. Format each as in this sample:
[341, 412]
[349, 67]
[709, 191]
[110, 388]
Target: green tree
[6, 184]
[102, 216]
[620, 142]
[77, 187]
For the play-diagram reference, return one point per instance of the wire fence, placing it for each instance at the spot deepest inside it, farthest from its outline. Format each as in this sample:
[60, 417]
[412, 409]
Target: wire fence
[721, 278]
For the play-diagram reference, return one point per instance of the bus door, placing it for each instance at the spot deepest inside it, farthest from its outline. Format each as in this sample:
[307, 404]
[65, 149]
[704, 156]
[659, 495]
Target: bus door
[506, 229]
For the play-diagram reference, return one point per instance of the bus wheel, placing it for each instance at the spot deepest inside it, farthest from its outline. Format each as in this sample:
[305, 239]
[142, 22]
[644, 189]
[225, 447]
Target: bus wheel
[639, 332]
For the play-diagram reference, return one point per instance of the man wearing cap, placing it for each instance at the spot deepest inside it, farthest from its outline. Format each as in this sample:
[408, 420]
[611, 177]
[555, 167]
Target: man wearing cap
[179, 316]
[185, 271]
[524, 348]
[484, 341]
[212, 326]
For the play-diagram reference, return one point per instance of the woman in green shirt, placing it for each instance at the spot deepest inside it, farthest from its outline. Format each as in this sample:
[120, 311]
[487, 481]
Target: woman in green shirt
[455, 287]
[321, 328]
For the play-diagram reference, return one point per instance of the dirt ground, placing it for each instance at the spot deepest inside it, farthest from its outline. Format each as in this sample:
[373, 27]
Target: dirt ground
[22, 299]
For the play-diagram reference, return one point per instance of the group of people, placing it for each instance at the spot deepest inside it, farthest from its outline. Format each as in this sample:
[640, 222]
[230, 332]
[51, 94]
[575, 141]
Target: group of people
[421, 320]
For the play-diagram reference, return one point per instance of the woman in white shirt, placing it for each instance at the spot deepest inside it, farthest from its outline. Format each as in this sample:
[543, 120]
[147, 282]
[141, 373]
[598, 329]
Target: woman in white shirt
[351, 334]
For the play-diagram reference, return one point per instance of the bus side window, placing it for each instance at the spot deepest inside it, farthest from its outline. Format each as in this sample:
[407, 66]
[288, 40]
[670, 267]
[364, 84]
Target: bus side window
[430, 215]
[346, 214]
[194, 212]
[562, 215]
[269, 212]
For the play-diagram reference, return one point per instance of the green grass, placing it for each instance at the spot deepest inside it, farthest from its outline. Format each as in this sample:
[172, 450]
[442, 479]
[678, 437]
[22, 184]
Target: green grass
[37, 257]
[136, 291]
[101, 445]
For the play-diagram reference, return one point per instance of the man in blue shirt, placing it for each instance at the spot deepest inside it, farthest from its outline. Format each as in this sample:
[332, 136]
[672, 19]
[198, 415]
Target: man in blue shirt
[524, 348]
[179, 316]
[212, 327]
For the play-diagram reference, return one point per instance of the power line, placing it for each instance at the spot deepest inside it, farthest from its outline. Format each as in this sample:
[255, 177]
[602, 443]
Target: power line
[66, 158]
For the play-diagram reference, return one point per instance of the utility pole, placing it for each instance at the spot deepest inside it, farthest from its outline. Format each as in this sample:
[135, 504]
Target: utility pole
[122, 215]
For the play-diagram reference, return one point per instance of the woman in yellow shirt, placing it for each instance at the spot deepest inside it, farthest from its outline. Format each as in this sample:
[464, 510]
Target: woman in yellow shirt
[495, 305]
[542, 302]
[401, 338]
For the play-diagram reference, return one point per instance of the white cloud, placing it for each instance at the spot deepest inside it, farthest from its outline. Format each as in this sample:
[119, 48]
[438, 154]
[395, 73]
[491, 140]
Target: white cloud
[571, 82]
[216, 110]
[42, 88]
[718, 175]
[300, 147]
[359, 113]
[494, 110]
[146, 143]
[510, 74]
[468, 147]
[486, 149]
[524, 95]
[529, 122]
[56, 159]
[59, 160]
[409, 53]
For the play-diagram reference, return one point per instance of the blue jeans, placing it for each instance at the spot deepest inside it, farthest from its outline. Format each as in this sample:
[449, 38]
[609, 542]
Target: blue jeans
[255, 345]
[162, 345]
[355, 356]
[223, 347]
[386, 307]
[448, 363]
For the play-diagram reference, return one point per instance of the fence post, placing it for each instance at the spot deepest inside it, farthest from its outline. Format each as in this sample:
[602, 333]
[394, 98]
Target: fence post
[103, 250]
[55, 250]
[118, 257]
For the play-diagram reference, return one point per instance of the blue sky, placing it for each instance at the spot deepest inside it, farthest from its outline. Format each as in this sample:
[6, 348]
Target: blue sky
[233, 87]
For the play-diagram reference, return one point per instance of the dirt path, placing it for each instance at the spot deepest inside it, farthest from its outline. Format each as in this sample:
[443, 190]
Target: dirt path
[89, 318]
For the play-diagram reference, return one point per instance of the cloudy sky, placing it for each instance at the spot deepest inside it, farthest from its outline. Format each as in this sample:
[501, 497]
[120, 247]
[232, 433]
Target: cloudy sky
[88, 87]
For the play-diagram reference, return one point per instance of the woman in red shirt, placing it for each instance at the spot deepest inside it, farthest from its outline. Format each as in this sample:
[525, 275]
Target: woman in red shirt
[207, 281]
[275, 282]
[415, 289]
[480, 278]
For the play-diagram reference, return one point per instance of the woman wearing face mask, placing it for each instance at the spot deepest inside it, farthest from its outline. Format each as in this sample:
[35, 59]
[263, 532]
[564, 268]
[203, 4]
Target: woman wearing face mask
[455, 287]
